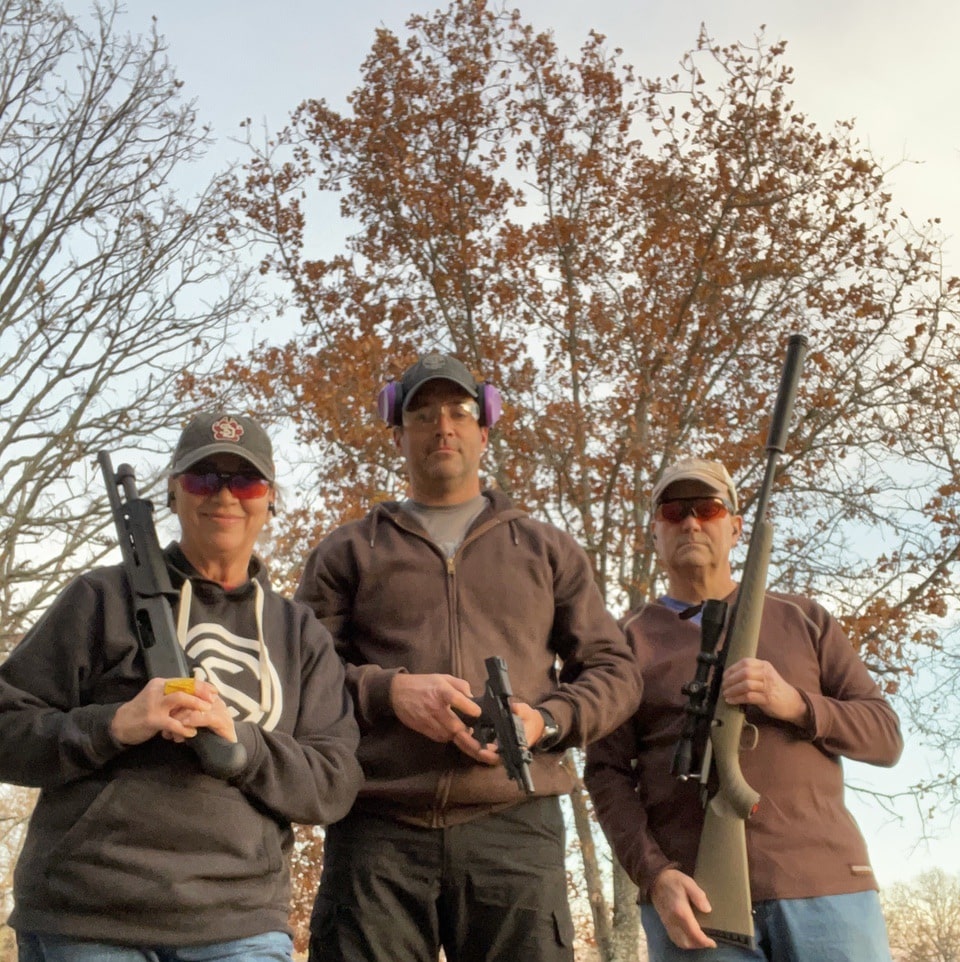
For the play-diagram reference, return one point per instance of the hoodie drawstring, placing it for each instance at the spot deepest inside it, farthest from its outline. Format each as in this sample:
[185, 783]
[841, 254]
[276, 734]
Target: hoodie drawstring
[264, 660]
[183, 625]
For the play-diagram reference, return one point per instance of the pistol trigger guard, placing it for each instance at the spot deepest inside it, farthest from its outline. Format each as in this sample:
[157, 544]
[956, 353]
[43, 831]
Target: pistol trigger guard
[485, 734]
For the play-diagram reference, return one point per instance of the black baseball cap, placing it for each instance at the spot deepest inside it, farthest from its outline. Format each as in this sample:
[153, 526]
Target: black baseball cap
[220, 433]
[436, 367]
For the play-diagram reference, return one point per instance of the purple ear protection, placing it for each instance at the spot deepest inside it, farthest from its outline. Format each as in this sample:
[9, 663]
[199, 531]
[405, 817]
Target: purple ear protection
[390, 403]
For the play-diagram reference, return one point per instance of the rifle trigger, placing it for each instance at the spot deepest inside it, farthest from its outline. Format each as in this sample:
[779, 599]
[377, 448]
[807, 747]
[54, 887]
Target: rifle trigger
[749, 742]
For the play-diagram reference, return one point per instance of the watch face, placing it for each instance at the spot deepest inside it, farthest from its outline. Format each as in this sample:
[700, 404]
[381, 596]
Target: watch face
[551, 730]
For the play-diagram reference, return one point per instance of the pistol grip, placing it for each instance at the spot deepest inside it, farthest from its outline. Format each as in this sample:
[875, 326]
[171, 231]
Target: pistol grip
[218, 756]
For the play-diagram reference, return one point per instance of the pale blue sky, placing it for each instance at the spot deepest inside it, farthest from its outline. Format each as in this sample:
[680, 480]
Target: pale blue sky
[887, 63]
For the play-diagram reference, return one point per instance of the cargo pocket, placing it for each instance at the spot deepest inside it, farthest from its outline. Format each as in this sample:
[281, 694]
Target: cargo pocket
[563, 928]
[334, 934]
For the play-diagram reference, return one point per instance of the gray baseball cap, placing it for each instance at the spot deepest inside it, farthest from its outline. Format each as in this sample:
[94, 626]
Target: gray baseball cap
[436, 367]
[219, 433]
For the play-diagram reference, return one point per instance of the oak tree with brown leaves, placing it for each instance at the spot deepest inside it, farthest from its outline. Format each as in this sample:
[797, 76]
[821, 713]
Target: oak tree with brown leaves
[625, 257]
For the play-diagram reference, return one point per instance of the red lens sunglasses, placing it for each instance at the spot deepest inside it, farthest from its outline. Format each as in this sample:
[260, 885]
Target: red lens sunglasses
[208, 483]
[703, 509]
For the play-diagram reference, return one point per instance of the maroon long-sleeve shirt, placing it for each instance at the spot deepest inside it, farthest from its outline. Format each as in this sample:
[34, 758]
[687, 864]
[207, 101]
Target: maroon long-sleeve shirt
[802, 842]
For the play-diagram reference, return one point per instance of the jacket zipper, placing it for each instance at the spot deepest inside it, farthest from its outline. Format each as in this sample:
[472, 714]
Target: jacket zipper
[446, 778]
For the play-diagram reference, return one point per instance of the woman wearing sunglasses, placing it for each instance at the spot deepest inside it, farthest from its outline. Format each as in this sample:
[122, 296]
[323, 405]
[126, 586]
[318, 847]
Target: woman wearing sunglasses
[133, 854]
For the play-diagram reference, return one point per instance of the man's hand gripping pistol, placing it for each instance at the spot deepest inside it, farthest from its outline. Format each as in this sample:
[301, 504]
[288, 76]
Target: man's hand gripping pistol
[497, 722]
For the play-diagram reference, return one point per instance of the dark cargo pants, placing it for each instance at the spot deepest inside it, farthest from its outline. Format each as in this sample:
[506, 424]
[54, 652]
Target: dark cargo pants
[490, 890]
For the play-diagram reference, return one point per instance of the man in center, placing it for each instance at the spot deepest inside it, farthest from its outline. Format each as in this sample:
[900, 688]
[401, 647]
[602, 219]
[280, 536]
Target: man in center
[442, 849]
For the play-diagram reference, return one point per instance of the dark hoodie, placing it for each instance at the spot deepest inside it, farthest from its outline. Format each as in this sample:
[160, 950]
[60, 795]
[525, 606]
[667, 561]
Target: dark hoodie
[134, 843]
[515, 587]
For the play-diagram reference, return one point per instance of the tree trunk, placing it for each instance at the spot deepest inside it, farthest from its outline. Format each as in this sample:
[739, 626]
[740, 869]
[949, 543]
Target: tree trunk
[613, 944]
[591, 865]
[626, 918]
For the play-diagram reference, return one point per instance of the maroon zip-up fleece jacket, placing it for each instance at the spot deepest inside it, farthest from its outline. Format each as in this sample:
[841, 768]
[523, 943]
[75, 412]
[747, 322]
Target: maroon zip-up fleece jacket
[516, 587]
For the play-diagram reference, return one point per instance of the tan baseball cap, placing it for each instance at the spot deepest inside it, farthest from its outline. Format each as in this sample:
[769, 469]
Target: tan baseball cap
[711, 473]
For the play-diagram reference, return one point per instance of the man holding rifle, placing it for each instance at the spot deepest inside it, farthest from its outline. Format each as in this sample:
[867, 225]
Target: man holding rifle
[136, 850]
[443, 847]
[811, 700]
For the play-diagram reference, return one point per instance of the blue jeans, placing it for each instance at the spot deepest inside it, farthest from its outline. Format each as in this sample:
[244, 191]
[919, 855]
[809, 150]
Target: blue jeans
[834, 928]
[269, 947]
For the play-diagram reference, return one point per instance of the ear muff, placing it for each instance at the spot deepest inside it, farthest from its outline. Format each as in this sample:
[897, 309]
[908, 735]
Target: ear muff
[390, 403]
[491, 404]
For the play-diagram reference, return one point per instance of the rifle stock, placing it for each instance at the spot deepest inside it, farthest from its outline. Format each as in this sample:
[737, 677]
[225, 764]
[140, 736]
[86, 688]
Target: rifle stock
[721, 868]
[735, 798]
[153, 613]
[722, 872]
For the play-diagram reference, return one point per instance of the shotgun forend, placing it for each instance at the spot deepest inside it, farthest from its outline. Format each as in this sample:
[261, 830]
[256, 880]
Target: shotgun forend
[153, 599]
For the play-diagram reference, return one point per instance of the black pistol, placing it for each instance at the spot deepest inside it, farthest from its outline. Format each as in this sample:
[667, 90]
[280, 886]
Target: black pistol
[497, 722]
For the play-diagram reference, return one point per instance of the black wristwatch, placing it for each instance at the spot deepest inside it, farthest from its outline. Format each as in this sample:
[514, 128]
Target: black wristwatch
[551, 732]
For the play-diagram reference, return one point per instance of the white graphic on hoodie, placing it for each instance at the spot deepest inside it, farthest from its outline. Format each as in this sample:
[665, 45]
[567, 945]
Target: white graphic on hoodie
[239, 668]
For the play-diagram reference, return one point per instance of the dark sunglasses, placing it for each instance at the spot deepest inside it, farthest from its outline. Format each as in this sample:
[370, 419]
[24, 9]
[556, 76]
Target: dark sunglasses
[703, 509]
[204, 484]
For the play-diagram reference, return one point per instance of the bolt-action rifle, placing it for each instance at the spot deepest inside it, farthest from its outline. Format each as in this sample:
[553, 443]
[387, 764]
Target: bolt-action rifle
[497, 722]
[153, 598]
[713, 729]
